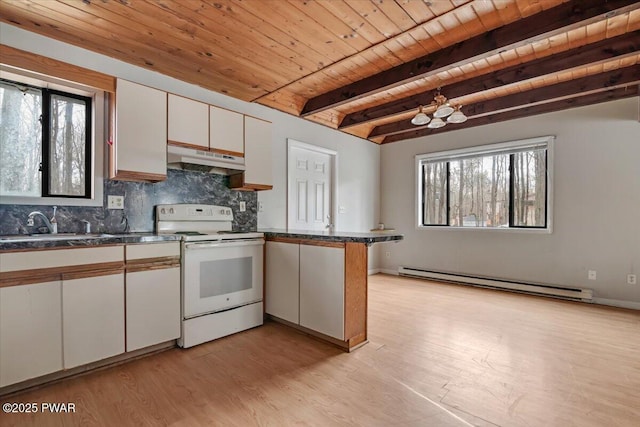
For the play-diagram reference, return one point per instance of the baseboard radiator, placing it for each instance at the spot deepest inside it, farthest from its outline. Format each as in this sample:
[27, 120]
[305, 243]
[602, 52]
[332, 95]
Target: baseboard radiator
[509, 285]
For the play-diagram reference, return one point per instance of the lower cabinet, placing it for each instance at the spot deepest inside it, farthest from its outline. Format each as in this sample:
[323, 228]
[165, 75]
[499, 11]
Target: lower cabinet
[305, 286]
[282, 279]
[30, 331]
[322, 289]
[92, 318]
[153, 307]
[75, 311]
[152, 293]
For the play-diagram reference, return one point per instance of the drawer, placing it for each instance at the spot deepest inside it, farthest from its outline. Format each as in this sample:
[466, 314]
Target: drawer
[16, 261]
[153, 250]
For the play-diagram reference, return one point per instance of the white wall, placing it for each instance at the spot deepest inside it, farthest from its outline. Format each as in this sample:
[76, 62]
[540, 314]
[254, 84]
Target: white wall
[358, 159]
[596, 205]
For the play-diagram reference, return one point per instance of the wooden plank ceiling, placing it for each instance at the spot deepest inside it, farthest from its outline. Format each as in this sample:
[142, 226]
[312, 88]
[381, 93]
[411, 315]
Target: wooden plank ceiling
[365, 66]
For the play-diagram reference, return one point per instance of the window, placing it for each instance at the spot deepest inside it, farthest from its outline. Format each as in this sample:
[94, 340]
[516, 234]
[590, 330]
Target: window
[502, 185]
[45, 142]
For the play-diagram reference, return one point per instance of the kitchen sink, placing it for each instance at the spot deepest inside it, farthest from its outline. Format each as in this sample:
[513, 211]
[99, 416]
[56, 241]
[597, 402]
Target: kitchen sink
[45, 237]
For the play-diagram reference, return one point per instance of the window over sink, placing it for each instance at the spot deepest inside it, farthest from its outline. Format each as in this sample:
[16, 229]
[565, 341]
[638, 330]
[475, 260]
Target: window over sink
[48, 150]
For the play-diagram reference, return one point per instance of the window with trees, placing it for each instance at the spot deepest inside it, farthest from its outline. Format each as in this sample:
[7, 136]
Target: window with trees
[45, 142]
[502, 185]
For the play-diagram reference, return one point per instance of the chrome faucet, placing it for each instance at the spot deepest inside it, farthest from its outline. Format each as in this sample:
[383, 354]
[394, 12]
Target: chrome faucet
[46, 221]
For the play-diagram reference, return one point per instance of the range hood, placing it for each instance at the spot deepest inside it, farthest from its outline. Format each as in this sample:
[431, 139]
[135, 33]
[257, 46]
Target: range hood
[207, 161]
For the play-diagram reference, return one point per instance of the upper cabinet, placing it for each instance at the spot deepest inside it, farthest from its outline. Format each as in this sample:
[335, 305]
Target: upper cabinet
[198, 125]
[194, 124]
[226, 132]
[257, 157]
[257, 141]
[139, 151]
[188, 122]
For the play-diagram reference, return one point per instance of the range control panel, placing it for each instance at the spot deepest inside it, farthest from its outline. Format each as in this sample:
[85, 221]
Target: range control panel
[191, 212]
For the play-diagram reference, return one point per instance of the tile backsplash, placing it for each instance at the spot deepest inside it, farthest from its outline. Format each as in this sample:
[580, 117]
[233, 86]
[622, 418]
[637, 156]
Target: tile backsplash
[140, 199]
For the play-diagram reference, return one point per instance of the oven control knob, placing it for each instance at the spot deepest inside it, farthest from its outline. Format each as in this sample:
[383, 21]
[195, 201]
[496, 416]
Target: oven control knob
[228, 211]
[162, 211]
[222, 211]
[171, 210]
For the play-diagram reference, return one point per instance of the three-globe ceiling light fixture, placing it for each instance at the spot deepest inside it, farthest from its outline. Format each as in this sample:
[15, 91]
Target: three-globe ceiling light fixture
[443, 109]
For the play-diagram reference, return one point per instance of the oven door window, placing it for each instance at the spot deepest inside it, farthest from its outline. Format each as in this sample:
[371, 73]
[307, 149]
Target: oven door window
[227, 276]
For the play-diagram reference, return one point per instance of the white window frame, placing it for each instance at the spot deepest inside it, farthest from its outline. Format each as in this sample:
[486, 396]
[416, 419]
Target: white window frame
[482, 150]
[98, 128]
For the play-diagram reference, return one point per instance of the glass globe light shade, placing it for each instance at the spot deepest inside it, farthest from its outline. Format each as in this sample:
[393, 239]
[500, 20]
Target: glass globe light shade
[457, 117]
[420, 119]
[436, 123]
[443, 111]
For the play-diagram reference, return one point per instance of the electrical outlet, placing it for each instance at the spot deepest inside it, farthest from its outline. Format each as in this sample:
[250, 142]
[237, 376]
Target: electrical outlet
[115, 202]
[260, 207]
[387, 254]
[592, 275]
[243, 206]
[631, 279]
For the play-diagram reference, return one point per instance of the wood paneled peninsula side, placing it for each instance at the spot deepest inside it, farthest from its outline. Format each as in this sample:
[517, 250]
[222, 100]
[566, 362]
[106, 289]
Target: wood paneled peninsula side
[316, 282]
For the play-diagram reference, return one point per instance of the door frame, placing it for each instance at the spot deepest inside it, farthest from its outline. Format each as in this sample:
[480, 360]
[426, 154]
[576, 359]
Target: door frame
[333, 197]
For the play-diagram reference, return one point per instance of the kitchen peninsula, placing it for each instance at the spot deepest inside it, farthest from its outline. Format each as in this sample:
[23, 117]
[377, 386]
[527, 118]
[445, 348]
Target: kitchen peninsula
[316, 282]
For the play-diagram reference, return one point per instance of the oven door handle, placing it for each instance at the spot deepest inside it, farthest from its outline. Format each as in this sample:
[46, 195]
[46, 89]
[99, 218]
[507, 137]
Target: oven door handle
[224, 244]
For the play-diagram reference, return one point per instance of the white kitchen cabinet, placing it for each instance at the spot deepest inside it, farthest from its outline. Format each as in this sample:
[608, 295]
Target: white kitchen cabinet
[30, 331]
[152, 288]
[305, 285]
[322, 289]
[282, 275]
[153, 307]
[257, 157]
[140, 147]
[188, 122]
[152, 291]
[93, 322]
[226, 131]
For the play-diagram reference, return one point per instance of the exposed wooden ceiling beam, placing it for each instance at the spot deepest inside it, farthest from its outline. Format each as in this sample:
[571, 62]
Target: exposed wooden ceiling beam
[542, 25]
[619, 46]
[581, 101]
[573, 88]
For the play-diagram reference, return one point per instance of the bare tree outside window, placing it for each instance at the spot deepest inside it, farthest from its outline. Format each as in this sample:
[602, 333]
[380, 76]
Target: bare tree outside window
[480, 188]
[529, 188]
[435, 196]
[67, 146]
[498, 187]
[20, 140]
[45, 148]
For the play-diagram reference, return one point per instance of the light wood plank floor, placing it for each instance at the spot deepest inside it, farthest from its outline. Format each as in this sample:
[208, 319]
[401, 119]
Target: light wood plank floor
[439, 355]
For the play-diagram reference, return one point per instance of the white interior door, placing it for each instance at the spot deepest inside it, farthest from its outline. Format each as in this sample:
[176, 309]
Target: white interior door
[310, 174]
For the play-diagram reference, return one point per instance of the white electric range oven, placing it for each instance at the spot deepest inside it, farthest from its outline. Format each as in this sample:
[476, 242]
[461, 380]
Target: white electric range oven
[221, 271]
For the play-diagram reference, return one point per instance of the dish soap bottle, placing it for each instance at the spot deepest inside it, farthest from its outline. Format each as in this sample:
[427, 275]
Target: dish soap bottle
[54, 222]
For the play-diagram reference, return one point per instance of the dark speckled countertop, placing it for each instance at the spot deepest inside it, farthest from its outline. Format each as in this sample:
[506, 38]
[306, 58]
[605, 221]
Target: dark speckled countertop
[14, 243]
[26, 242]
[333, 236]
